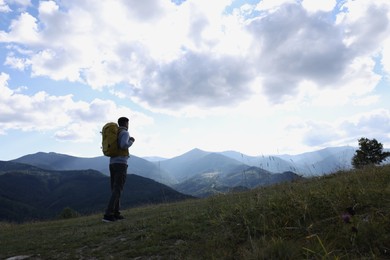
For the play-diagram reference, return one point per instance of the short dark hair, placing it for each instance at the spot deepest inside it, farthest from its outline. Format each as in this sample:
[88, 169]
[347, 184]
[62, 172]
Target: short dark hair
[122, 121]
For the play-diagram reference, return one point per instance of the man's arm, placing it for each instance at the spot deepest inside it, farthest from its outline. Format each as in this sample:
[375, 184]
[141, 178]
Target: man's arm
[125, 141]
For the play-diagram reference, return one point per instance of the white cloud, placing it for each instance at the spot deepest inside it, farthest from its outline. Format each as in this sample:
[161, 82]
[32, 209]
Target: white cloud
[4, 8]
[23, 29]
[48, 8]
[272, 5]
[17, 63]
[320, 134]
[369, 124]
[319, 5]
[372, 124]
[366, 25]
[386, 57]
[69, 119]
[5, 5]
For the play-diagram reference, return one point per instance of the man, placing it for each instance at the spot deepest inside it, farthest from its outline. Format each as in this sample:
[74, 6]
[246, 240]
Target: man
[118, 171]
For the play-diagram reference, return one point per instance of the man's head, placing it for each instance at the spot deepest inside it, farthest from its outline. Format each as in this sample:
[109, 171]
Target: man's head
[123, 121]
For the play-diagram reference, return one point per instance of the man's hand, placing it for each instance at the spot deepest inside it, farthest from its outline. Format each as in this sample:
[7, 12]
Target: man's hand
[132, 139]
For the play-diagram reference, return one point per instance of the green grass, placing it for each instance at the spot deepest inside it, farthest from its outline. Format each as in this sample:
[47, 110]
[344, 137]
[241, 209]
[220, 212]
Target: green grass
[301, 220]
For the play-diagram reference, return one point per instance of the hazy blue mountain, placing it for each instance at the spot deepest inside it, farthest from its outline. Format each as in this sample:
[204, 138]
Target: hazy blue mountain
[56, 161]
[197, 162]
[267, 162]
[319, 162]
[335, 161]
[319, 155]
[179, 165]
[33, 193]
[149, 170]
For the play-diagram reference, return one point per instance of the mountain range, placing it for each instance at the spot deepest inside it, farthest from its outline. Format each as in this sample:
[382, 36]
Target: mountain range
[195, 164]
[52, 181]
[173, 170]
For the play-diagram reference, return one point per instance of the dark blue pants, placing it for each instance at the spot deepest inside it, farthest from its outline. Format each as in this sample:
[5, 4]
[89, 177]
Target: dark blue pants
[118, 173]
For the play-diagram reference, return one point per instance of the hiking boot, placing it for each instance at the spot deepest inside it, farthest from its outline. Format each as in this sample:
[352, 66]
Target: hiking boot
[109, 218]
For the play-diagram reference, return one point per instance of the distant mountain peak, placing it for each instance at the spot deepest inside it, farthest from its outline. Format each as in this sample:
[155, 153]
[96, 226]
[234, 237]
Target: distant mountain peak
[194, 153]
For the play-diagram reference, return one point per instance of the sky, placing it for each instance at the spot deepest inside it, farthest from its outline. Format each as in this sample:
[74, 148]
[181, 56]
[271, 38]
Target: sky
[259, 77]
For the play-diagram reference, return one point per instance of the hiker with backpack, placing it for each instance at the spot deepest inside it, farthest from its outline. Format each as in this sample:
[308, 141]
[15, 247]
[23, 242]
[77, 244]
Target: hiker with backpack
[116, 143]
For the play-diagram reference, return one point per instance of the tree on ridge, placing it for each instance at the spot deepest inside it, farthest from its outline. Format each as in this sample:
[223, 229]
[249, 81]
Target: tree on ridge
[370, 152]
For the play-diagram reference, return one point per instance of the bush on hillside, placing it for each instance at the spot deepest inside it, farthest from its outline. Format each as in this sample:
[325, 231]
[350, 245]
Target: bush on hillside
[68, 213]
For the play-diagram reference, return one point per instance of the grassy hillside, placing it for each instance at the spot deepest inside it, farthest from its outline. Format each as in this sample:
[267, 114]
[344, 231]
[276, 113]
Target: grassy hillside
[340, 216]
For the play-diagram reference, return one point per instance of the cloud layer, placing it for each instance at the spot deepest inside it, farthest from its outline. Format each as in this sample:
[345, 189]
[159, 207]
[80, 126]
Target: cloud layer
[171, 56]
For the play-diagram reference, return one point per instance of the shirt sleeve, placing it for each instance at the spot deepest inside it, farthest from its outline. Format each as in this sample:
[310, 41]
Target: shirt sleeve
[124, 140]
